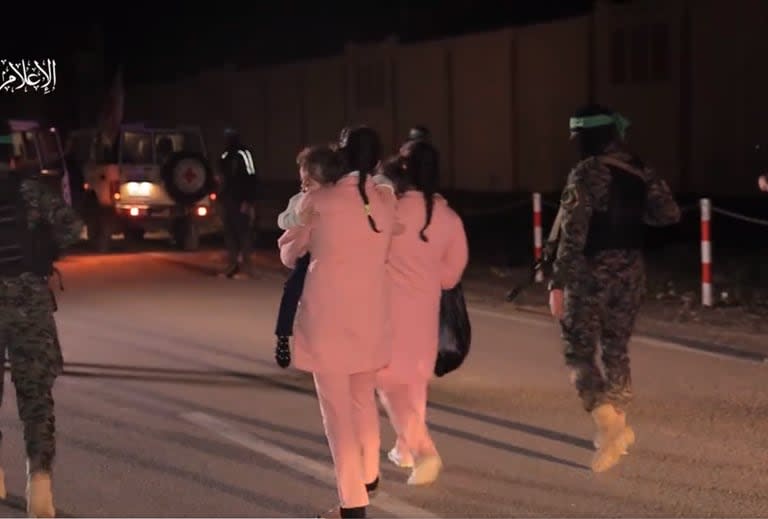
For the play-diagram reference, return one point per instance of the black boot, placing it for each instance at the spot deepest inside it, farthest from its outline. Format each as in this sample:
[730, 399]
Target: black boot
[358, 511]
[372, 487]
[283, 352]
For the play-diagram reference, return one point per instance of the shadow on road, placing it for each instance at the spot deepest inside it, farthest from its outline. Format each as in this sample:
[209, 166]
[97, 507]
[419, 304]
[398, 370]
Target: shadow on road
[177, 376]
[450, 431]
[517, 426]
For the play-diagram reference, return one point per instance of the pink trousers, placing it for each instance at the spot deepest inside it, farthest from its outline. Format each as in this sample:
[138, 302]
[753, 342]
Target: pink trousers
[406, 405]
[351, 421]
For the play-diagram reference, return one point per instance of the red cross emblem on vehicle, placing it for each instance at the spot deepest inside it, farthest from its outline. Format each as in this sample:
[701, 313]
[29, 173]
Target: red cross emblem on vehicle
[190, 175]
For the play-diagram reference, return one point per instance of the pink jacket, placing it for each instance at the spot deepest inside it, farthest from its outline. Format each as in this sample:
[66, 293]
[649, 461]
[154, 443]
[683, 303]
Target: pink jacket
[342, 323]
[419, 271]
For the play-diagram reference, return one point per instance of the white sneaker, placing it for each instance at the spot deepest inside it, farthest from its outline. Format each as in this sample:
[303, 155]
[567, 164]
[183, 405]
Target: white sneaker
[426, 470]
[402, 462]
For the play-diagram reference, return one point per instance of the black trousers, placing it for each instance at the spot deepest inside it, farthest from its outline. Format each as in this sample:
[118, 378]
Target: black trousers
[289, 303]
[238, 233]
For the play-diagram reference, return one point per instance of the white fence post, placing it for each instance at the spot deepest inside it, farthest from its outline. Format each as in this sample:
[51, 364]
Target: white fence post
[537, 234]
[706, 253]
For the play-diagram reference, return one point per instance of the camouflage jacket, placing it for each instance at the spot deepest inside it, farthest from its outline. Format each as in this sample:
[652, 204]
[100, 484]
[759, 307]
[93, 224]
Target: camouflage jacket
[587, 188]
[44, 205]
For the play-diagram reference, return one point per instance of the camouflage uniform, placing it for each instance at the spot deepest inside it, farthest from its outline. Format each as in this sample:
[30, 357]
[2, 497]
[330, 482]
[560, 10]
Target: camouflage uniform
[28, 329]
[603, 290]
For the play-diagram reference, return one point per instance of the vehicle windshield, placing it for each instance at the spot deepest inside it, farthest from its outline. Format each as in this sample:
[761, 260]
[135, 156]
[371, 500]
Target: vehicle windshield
[155, 147]
[49, 149]
[17, 147]
[137, 148]
[6, 152]
[175, 141]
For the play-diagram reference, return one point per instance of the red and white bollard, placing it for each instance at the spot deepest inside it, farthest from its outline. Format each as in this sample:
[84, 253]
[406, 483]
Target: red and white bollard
[537, 233]
[706, 253]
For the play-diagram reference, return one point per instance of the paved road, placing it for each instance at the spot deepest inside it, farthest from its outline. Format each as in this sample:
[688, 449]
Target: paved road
[172, 406]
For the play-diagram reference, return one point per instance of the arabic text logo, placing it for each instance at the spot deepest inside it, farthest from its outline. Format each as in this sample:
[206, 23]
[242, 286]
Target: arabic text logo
[27, 75]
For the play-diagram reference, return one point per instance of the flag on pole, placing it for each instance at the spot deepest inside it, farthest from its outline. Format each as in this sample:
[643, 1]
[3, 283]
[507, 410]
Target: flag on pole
[112, 113]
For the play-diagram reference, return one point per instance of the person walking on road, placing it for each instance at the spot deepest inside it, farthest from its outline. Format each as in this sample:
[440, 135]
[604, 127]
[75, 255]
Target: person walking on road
[598, 279]
[342, 327]
[35, 224]
[428, 255]
[312, 162]
[237, 198]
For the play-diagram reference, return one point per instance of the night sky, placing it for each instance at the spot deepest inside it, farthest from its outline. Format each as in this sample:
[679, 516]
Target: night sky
[162, 40]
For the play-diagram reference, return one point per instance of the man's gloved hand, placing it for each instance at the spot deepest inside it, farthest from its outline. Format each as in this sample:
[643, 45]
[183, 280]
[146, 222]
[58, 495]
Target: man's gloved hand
[249, 210]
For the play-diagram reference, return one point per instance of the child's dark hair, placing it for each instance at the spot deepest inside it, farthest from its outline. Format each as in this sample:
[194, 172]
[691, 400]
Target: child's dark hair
[422, 170]
[360, 148]
[322, 164]
[392, 170]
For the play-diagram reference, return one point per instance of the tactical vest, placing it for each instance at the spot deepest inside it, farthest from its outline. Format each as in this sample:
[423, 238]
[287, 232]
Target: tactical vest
[620, 226]
[22, 250]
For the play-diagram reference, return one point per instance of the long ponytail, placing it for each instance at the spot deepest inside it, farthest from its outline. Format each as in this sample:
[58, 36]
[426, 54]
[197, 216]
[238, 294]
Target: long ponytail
[361, 149]
[423, 170]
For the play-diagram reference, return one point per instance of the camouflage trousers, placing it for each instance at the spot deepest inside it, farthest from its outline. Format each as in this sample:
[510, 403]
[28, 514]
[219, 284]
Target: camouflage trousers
[30, 341]
[600, 308]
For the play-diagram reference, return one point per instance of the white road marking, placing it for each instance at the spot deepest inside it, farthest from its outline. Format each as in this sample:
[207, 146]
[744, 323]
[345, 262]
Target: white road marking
[534, 321]
[312, 468]
[543, 322]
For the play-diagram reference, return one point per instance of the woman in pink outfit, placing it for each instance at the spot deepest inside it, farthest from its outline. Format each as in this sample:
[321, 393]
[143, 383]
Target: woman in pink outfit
[342, 330]
[427, 256]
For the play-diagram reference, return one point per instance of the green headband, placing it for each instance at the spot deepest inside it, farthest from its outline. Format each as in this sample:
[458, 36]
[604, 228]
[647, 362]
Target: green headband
[6, 139]
[595, 121]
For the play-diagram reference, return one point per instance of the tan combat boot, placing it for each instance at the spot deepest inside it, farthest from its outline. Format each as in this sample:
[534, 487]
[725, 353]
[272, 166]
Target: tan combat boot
[3, 493]
[39, 495]
[610, 429]
[627, 437]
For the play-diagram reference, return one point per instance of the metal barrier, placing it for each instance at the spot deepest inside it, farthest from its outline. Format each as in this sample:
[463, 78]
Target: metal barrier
[705, 207]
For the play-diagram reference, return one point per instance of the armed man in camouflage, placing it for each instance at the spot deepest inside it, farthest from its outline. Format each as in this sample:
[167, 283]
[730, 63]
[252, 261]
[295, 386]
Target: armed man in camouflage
[598, 279]
[35, 224]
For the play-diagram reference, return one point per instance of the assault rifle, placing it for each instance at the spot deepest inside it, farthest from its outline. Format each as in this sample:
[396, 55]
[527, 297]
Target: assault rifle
[544, 264]
[549, 252]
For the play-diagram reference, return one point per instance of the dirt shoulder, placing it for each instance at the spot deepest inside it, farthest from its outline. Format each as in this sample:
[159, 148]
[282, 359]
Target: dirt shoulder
[734, 330]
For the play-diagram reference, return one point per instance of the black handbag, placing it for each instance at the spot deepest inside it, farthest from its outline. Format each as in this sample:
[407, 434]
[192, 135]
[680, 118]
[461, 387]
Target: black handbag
[455, 331]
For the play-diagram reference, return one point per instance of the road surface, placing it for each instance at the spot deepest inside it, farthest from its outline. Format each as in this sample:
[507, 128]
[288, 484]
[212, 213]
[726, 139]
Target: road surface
[171, 405]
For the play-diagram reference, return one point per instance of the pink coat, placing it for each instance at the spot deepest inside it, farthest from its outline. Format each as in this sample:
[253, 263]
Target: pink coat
[419, 271]
[342, 323]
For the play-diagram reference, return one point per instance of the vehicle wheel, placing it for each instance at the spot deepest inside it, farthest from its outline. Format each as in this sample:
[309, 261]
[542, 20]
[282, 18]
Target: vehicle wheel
[98, 223]
[99, 234]
[187, 177]
[186, 235]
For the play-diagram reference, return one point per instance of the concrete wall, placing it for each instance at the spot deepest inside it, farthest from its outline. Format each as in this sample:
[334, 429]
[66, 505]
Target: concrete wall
[630, 42]
[424, 98]
[325, 110]
[690, 75]
[552, 79]
[730, 107]
[484, 147]
[285, 121]
[371, 89]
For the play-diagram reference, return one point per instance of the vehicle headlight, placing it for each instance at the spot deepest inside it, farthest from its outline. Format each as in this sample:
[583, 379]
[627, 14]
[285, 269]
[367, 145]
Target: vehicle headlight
[139, 188]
